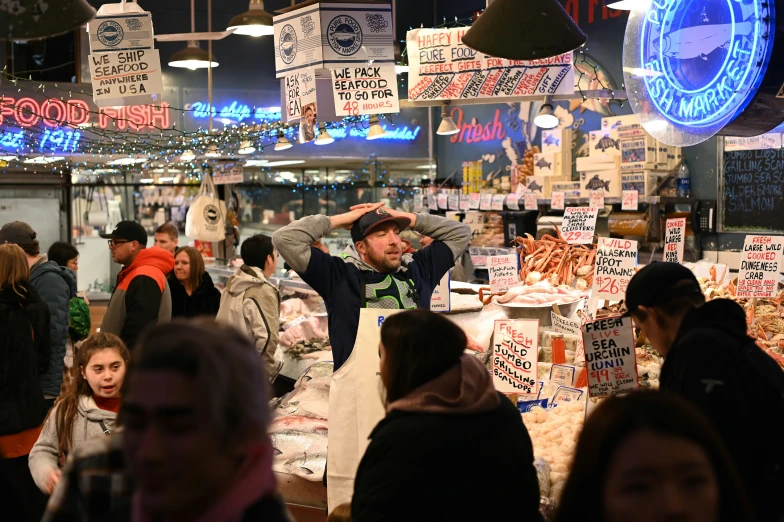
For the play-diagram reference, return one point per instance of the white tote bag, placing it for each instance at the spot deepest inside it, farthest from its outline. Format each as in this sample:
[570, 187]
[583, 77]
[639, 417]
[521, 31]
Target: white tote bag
[206, 219]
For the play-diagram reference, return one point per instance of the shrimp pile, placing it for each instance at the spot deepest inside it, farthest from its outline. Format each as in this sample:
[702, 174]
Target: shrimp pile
[554, 260]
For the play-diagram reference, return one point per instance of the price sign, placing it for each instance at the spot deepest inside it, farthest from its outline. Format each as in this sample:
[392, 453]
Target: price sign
[579, 225]
[530, 201]
[570, 326]
[630, 200]
[557, 201]
[454, 202]
[474, 200]
[760, 266]
[674, 235]
[615, 260]
[419, 204]
[465, 202]
[442, 201]
[609, 356]
[596, 198]
[440, 301]
[485, 202]
[498, 202]
[432, 203]
[512, 201]
[503, 272]
[515, 356]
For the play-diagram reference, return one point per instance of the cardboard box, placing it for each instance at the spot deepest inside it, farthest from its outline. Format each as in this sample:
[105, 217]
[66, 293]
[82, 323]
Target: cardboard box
[545, 164]
[615, 122]
[603, 143]
[601, 162]
[607, 180]
[643, 182]
[638, 154]
[537, 184]
[557, 140]
[571, 189]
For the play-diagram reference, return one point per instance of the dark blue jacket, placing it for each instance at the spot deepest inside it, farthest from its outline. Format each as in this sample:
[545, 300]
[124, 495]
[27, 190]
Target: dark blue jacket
[56, 285]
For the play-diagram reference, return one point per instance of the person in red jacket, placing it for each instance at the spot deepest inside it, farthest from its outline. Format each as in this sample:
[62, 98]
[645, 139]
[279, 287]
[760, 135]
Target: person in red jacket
[141, 297]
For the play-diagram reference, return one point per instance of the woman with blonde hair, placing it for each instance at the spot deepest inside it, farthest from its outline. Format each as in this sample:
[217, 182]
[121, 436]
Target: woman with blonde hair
[192, 290]
[87, 409]
[24, 357]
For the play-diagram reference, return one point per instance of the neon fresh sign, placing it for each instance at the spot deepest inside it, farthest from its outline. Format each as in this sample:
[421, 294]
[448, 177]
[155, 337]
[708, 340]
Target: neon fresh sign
[705, 59]
[235, 111]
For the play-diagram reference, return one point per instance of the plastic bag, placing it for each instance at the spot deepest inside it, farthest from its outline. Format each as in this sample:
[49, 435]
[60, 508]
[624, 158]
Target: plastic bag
[206, 218]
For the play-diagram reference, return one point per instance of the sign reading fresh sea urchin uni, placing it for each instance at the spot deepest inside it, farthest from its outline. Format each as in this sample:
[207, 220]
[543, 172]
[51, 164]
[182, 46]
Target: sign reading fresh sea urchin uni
[691, 67]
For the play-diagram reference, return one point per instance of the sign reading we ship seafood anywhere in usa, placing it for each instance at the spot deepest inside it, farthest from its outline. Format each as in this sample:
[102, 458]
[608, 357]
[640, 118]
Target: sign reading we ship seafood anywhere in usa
[760, 266]
[609, 356]
[365, 90]
[516, 356]
[441, 67]
[125, 77]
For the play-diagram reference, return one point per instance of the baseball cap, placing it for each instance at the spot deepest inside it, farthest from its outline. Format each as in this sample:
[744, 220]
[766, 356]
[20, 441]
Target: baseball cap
[660, 283]
[18, 233]
[128, 230]
[365, 225]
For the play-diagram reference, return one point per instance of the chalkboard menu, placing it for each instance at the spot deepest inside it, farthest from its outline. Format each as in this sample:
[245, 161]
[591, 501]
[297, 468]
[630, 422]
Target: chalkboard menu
[753, 191]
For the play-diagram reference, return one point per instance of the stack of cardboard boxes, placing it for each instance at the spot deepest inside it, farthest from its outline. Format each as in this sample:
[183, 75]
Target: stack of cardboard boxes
[553, 166]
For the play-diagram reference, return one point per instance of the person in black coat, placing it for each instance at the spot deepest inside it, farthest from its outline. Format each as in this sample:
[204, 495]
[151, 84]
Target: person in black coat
[192, 291]
[451, 447]
[24, 357]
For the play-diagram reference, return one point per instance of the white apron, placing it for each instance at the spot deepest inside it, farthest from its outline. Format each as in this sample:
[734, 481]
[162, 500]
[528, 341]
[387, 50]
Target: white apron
[354, 407]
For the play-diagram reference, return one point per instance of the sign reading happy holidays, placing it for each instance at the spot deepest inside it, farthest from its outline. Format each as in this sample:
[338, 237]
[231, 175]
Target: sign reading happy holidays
[609, 356]
[760, 266]
[515, 356]
[441, 67]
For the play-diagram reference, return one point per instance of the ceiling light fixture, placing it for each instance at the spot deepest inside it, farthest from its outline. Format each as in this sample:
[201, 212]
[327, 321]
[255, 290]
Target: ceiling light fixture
[212, 151]
[246, 147]
[518, 30]
[253, 22]
[546, 119]
[192, 57]
[9, 158]
[38, 160]
[375, 131]
[127, 161]
[324, 137]
[447, 127]
[283, 142]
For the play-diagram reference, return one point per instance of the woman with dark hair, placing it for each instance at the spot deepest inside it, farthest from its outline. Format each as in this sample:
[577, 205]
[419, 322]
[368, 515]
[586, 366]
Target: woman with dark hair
[447, 437]
[651, 456]
[192, 290]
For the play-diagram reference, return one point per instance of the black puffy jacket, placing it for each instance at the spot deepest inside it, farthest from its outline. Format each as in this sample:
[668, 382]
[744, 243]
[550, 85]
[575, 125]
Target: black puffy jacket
[205, 301]
[24, 357]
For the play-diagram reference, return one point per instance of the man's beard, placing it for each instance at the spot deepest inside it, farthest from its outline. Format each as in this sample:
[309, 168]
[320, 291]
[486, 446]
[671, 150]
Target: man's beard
[382, 264]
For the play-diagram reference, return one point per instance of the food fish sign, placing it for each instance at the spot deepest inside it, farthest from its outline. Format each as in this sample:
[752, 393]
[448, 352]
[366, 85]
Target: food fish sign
[723, 48]
[503, 272]
[615, 260]
[609, 356]
[365, 90]
[441, 67]
[760, 266]
[300, 89]
[579, 224]
[515, 356]
[126, 77]
[673, 240]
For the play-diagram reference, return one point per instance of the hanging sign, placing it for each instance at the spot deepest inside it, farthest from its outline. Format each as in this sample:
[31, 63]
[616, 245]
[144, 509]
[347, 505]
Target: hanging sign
[441, 67]
[674, 234]
[225, 173]
[760, 266]
[125, 77]
[440, 301]
[513, 201]
[474, 199]
[120, 32]
[366, 89]
[515, 356]
[531, 202]
[609, 356]
[579, 224]
[300, 91]
[615, 260]
[630, 200]
[503, 272]
[557, 201]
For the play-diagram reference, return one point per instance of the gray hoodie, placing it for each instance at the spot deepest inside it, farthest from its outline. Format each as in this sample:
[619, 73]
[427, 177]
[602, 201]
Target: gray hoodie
[44, 457]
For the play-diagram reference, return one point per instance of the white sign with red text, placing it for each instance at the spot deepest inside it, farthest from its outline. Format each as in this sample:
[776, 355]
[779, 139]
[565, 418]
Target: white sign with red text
[440, 301]
[760, 266]
[365, 90]
[674, 235]
[615, 260]
[503, 272]
[630, 200]
[515, 356]
[596, 198]
[609, 356]
[579, 224]
[530, 201]
[557, 201]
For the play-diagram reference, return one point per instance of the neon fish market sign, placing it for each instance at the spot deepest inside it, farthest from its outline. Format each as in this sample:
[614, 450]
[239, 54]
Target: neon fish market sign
[703, 63]
[393, 133]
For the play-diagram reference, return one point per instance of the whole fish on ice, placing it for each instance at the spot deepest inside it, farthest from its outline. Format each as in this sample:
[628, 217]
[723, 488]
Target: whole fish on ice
[700, 40]
[289, 443]
[319, 375]
[306, 401]
[309, 466]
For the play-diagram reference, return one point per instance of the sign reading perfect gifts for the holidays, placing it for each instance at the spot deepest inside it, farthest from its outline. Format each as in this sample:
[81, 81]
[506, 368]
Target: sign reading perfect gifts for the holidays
[691, 69]
[441, 67]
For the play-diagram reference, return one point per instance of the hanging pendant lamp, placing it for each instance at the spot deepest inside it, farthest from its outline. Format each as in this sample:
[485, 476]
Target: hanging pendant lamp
[192, 57]
[253, 22]
[30, 20]
[524, 30]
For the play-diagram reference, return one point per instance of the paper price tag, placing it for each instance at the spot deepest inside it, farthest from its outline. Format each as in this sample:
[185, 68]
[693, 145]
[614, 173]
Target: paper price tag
[465, 202]
[557, 201]
[443, 201]
[419, 205]
[615, 261]
[503, 272]
[454, 202]
[474, 200]
[498, 202]
[579, 224]
[515, 356]
[760, 266]
[609, 356]
[432, 202]
[630, 200]
[486, 202]
[440, 301]
[512, 201]
[596, 198]
[674, 235]
[530, 201]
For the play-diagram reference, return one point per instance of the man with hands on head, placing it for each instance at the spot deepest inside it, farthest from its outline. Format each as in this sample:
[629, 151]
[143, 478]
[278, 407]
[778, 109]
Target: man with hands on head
[373, 272]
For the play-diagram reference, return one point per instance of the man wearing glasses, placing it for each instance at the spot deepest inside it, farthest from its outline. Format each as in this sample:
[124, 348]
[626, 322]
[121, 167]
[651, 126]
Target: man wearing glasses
[142, 296]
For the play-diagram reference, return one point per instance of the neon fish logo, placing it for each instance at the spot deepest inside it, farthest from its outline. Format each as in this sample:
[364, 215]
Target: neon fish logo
[708, 56]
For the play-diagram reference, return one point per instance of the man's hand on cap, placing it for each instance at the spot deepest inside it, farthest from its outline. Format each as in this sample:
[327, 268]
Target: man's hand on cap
[348, 219]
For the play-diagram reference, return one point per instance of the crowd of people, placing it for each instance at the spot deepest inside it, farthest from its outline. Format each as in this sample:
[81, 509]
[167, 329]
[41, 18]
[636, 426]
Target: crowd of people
[163, 414]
